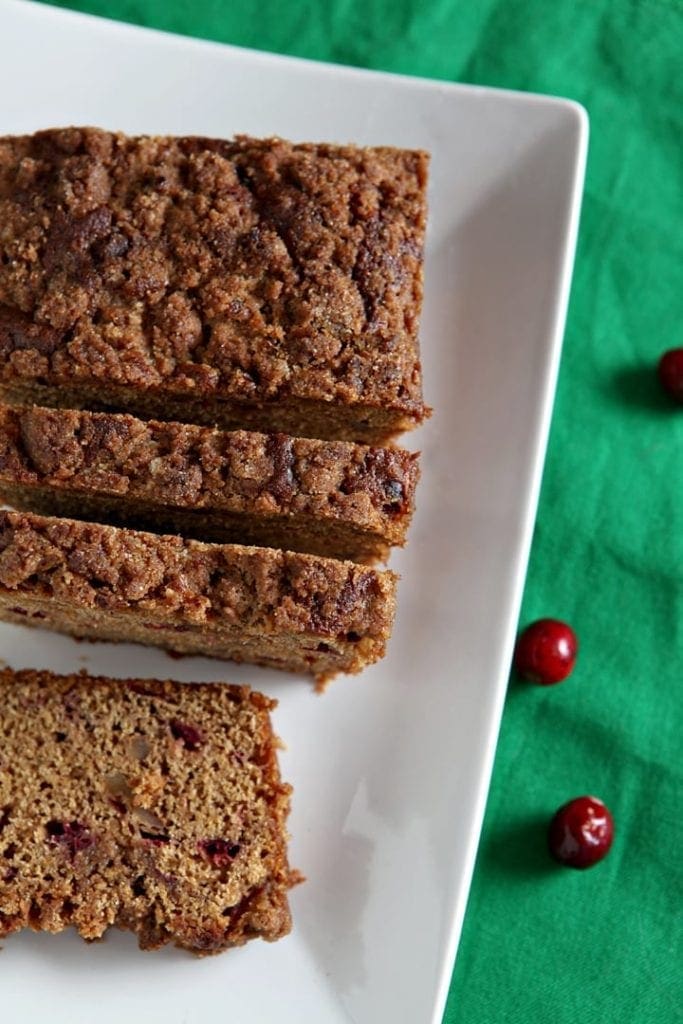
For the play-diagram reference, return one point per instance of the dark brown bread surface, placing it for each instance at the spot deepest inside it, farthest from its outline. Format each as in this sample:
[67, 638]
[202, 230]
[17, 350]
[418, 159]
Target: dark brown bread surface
[152, 806]
[330, 498]
[251, 283]
[292, 611]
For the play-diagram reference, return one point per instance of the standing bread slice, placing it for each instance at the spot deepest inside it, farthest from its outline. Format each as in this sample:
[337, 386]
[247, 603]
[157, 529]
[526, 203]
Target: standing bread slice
[332, 498]
[288, 610]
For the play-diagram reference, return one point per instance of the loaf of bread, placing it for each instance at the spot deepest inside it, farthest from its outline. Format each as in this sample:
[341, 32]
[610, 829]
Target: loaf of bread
[151, 806]
[245, 283]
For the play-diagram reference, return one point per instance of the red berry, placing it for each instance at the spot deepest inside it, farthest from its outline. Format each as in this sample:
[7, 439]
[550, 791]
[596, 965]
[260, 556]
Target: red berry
[189, 736]
[219, 852]
[581, 832]
[72, 836]
[670, 371]
[546, 651]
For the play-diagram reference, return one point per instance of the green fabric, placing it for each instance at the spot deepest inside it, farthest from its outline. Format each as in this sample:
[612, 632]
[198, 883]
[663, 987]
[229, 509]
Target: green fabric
[542, 943]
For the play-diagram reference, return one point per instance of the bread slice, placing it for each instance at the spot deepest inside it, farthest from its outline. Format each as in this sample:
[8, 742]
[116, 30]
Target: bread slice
[287, 610]
[330, 498]
[152, 806]
[240, 283]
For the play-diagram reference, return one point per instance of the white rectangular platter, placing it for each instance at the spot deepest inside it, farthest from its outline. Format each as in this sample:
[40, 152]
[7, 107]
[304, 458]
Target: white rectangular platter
[391, 768]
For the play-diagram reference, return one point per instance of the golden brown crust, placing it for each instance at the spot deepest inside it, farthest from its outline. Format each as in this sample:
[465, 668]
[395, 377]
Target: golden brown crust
[252, 273]
[295, 611]
[327, 497]
[152, 806]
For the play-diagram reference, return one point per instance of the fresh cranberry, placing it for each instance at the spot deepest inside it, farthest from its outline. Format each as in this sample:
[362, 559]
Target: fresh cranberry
[546, 651]
[220, 852]
[190, 737]
[72, 836]
[581, 832]
[670, 372]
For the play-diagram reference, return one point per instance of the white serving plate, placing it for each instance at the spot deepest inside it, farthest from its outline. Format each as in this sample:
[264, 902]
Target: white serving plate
[390, 769]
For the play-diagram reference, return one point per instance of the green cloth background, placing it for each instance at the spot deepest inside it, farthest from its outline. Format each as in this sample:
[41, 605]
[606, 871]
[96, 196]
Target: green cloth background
[543, 943]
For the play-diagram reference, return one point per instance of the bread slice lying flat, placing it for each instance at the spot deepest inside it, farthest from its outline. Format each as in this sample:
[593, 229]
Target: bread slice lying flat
[151, 806]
